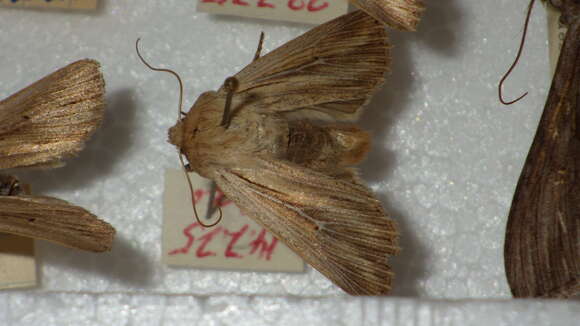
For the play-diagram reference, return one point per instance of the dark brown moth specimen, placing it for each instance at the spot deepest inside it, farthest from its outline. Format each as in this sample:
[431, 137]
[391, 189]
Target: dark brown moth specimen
[399, 14]
[542, 245]
[40, 126]
[261, 138]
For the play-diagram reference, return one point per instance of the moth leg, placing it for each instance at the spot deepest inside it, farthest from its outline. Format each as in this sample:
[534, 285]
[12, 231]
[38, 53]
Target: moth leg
[326, 147]
[259, 49]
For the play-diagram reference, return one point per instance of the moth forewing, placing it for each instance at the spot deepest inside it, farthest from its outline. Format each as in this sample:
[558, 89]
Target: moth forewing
[330, 71]
[542, 247]
[52, 118]
[400, 14]
[292, 175]
[39, 127]
[54, 220]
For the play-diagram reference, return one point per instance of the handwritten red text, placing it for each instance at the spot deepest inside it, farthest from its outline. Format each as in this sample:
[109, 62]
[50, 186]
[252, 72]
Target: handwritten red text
[238, 243]
[296, 5]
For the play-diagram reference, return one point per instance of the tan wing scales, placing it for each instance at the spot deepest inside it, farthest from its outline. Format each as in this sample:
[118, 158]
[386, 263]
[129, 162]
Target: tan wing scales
[400, 14]
[54, 220]
[335, 225]
[332, 69]
[52, 118]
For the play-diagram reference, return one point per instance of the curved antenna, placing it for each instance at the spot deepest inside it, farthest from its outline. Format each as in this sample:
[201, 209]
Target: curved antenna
[520, 50]
[193, 201]
[179, 113]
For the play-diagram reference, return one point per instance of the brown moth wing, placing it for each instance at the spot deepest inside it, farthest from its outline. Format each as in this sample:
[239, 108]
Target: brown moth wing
[54, 220]
[330, 71]
[336, 225]
[400, 14]
[542, 245]
[52, 118]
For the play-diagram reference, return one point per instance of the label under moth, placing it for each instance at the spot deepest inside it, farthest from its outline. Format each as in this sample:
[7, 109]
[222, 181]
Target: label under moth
[17, 262]
[236, 243]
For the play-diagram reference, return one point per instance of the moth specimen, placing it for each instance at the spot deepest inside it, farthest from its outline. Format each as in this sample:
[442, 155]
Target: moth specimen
[400, 14]
[40, 126]
[261, 139]
[542, 245]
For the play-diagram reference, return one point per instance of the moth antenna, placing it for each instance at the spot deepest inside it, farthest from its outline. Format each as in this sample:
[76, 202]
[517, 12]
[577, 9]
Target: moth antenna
[193, 201]
[179, 113]
[231, 86]
[520, 50]
[179, 109]
[259, 49]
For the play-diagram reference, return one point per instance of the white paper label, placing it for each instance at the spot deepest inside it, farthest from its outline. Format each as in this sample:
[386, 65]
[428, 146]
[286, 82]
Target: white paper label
[236, 243]
[62, 4]
[302, 11]
[17, 263]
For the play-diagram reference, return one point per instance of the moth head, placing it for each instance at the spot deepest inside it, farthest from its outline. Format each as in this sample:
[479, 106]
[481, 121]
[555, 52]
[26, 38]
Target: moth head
[176, 134]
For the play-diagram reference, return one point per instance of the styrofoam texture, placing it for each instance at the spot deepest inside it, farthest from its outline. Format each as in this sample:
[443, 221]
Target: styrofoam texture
[445, 160]
[149, 309]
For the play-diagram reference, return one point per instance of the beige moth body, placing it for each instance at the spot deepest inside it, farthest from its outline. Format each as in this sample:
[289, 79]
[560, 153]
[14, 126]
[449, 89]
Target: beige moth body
[284, 152]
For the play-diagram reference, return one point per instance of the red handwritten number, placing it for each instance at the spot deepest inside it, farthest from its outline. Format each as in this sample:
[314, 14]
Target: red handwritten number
[205, 240]
[240, 3]
[197, 195]
[263, 3]
[266, 250]
[235, 2]
[292, 4]
[220, 2]
[230, 253]
[296, 5]
[259, 245]
[189, 243]
[312, 5]
[220, 199]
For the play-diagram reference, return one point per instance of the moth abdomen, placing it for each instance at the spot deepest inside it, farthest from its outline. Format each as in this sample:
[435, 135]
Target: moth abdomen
[326, 146]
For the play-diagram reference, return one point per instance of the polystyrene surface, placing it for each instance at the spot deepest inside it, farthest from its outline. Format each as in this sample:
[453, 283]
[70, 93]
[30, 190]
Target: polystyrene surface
[144, 310]
[445, 162]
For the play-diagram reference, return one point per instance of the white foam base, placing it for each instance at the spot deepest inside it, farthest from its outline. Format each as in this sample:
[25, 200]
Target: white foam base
[445, 162]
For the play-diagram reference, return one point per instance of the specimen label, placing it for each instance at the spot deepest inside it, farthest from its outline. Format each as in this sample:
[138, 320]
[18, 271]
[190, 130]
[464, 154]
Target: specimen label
[236, 243]
[17, 263]
[62, 4]
[301, 11]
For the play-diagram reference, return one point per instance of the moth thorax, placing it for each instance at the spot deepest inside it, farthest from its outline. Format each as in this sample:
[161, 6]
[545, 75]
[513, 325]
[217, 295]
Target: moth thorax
[176, 134]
